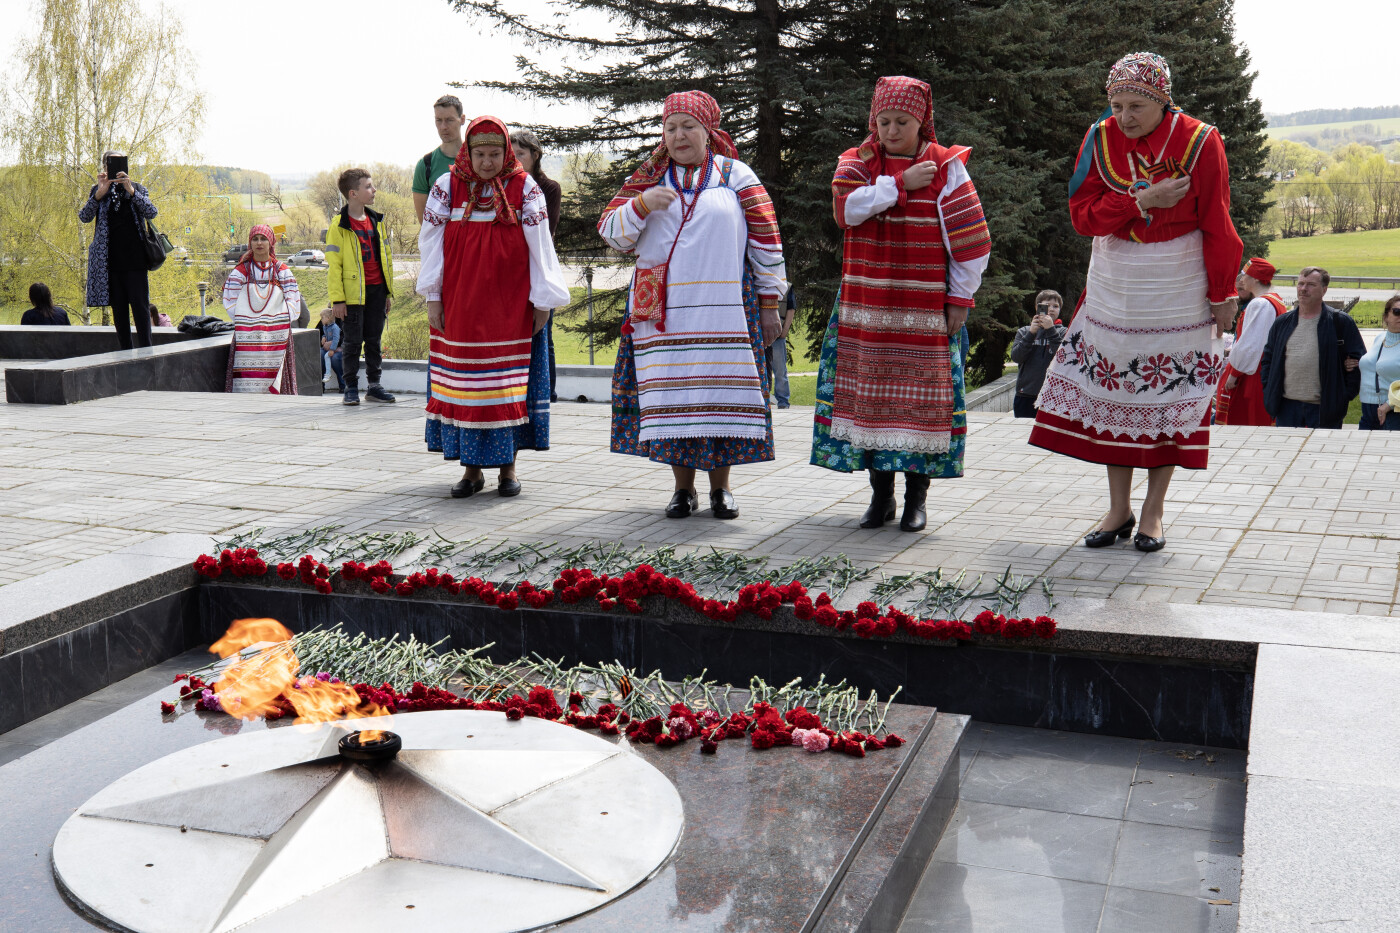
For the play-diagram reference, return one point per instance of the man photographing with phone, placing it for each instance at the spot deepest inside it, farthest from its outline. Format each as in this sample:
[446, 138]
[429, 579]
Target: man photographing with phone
[1033, 348]
[117, 263]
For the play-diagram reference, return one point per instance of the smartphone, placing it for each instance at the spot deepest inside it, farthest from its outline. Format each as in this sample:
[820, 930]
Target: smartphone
[116, 165]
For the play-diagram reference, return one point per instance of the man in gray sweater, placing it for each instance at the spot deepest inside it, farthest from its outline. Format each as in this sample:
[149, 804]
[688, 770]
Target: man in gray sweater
[1033, 349]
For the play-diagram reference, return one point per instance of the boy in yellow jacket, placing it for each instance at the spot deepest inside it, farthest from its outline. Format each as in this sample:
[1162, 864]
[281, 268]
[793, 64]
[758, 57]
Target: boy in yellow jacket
[361, 283]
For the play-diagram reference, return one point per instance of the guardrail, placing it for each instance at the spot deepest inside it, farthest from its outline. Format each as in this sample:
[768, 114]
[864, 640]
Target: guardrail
[1379, 283]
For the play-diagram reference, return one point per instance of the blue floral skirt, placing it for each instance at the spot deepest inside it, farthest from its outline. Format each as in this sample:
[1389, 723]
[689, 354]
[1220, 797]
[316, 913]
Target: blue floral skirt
[841, 456]
[498, 446]
[698, 453]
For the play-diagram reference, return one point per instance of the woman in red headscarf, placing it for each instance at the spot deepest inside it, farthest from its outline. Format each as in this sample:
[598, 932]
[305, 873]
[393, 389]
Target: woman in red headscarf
[491, 277]
[890, 385]
[1131, 384]
[1240, 398]
[690, 385]
[263, 301]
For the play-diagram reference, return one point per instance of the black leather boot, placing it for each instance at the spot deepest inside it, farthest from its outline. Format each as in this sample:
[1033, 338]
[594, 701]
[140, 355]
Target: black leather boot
[915, 493]
[881, 499]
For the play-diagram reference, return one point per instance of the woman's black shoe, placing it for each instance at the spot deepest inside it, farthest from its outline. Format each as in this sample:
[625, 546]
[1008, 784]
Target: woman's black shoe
[915, 495]
[508, 487]
[682, 504]
[722, 504]
[1148, 544]
[881, 499]
[1103, 538]
[464, 487]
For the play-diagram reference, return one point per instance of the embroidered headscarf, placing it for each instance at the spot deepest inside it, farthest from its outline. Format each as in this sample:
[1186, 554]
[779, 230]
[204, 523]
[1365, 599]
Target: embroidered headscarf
[911, 96]
[1144, 74]
[697, 104]
[489, 131]
[266, 231]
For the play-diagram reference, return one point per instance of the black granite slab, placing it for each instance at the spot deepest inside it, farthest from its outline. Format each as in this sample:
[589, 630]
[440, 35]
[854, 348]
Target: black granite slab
[21, 342]
[779, 840]
[198, 365]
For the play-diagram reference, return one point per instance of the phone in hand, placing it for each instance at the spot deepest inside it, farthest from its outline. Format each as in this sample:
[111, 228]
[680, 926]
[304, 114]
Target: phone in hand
[116, 165]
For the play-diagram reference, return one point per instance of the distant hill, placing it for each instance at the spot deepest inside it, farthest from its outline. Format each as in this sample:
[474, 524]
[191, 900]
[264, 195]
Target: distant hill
[1333, 115]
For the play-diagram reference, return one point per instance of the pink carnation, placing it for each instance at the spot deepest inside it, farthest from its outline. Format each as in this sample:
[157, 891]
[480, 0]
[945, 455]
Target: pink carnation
[814, 740]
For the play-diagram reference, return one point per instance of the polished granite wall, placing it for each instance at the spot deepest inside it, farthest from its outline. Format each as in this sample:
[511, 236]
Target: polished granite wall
[1095, 693]
[197, 365]
[21, 342]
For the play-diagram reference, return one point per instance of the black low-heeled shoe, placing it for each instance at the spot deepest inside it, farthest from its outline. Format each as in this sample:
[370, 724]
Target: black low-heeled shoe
[465, 488]
[1147, 544]
[1104, 537]
[682, 504]
[722, 504]
[508, 487]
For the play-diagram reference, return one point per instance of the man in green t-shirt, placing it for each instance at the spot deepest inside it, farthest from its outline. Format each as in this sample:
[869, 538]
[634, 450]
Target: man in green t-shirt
[447, 116]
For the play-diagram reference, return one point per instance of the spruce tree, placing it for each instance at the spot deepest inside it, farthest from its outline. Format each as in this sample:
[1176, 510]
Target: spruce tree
[1019, 82]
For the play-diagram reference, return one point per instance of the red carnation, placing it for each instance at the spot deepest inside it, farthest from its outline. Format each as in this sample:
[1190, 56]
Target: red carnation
[893, 741]
[515, 712]
[404, 588]
[709, 747]
[379, 585]
[166, 708]
[508, 602]
[761, 740]
[1045, 626]
[323, 586]
[286, 571]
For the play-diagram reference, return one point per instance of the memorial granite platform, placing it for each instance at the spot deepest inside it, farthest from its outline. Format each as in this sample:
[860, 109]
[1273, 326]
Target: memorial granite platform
[1279, 578]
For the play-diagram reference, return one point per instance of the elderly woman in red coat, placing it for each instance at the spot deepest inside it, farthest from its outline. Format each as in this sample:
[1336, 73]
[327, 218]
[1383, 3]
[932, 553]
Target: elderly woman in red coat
[1131, 384]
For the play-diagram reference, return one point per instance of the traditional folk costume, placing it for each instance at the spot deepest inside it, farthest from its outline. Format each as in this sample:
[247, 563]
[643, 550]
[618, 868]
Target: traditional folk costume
[1133, 379]
[488, 257]
[889, 384]
[263, 301]
[690, 385]
[1244, 404]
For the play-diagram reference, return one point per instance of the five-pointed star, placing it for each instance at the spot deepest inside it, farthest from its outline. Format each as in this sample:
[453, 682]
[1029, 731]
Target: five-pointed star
[329, 819]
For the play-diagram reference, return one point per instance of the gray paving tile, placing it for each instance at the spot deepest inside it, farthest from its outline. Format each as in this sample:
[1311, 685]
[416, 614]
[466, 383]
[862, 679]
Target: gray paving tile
[1037, 842]
[1211, 803]
[1172, 860]
[965, 899]
[1198, 760]
[1059, 771]
[1129, 911]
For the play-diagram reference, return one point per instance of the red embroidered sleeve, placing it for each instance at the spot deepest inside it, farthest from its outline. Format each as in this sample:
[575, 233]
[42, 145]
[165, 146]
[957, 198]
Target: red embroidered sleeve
[1222, 246]
[1097, 210]
[965, 224]
[851, 175]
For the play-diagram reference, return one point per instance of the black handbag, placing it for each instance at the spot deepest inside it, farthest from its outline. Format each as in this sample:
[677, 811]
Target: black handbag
[156, 244]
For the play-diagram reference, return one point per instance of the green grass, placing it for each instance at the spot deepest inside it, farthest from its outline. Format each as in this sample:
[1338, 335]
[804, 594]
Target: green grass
[1389, 126]
[1367, 253]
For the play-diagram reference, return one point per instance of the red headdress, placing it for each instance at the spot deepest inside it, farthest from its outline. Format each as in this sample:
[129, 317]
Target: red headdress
[489, 131]
[247, 256]
[1261, 270]
[697, 104]
[911, 96]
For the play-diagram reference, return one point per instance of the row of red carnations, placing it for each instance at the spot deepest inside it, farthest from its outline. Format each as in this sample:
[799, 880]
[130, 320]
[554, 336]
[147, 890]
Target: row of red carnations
[765, 727]
[574, 585]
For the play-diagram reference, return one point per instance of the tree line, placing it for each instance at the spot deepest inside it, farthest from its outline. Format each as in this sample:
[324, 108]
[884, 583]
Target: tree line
[1352, 188]
[1332, 115]
[1019, 82]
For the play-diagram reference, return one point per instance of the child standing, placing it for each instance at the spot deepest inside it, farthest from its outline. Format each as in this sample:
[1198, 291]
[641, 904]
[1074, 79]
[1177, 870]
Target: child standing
[361, 283]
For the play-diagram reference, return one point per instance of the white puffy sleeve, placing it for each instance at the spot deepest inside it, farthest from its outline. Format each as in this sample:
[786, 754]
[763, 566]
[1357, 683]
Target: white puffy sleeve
[865, 202]
[622, 225]
[436, 214]
[547, 286]
[233, 287]
[1253, 334]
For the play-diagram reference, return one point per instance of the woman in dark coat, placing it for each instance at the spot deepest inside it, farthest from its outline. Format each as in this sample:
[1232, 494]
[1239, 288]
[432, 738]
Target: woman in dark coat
[529, 154]
[117, 255]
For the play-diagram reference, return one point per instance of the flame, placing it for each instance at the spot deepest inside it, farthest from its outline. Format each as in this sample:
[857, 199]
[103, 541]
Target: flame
[245, 632]
[370, 736]
[267, 681]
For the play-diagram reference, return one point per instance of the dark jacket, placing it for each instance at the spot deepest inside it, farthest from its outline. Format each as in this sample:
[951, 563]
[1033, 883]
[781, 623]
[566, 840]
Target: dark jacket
[141, 208]
[1032, 354]
[1337, 339]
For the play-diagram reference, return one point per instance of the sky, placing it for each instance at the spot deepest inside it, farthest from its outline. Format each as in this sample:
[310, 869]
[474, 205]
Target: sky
[354, 80]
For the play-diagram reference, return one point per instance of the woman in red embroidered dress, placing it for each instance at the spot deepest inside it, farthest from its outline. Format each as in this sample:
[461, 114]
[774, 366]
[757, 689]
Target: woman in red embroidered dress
[491, 277]
[890, 385]
[263, 301]
[1131, 385]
